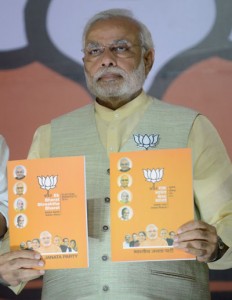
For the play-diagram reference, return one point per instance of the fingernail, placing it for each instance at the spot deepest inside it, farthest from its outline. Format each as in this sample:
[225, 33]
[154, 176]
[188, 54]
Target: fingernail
[37, 256]
[41, 263]
[42, 272]
[175, 238]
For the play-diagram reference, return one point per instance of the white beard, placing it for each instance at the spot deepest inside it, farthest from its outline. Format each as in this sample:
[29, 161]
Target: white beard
[123, 87]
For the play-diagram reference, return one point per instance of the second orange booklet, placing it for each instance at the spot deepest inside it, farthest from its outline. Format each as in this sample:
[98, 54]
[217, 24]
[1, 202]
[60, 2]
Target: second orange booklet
[47, 210]
[151, 197]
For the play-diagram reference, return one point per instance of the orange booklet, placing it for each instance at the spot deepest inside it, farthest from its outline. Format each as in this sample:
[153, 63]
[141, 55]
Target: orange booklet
[47, 210]
[151, 197]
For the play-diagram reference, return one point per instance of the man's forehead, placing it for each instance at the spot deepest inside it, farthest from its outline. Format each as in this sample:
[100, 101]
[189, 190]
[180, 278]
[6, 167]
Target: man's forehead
[108, 30]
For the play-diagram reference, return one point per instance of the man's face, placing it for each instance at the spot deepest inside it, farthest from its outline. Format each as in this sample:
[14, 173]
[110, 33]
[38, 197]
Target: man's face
[151, 232]
[19, 173]
[46, 239]
[172, 234]
[29, 244]
[20, 204]
[163, 233]
[19, 189]
[127, 238]
[111, 75]
[66, 242]
[35, 244]
[134, 236]
[124, 165]
[125, 214]
[21, 221]
[124, 181]
[125, 197]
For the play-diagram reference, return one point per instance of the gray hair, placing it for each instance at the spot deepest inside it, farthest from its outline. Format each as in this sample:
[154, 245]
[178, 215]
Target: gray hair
[145, 35]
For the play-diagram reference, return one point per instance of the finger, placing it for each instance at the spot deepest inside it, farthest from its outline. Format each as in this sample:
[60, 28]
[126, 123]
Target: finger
[198, 234]
[20, 263]
[195, 245]
[29, 254]
[193, 225]
[201, 249]
[22, 275]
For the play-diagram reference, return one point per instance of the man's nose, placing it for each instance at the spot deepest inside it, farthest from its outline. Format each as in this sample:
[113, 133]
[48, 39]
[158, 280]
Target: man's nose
[108, 58]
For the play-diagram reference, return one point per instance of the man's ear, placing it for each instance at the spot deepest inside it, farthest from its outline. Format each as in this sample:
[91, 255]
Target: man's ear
[148, 58]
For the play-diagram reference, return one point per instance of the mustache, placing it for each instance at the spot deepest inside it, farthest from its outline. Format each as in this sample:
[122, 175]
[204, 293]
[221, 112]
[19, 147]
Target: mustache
[111, 70]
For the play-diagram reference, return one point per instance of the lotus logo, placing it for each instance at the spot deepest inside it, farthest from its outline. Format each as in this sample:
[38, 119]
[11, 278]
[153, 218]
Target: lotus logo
[47, 182]
[146, 141]
[154, 175]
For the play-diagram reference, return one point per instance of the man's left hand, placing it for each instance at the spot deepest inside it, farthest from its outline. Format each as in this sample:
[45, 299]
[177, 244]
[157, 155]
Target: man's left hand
[197, 238]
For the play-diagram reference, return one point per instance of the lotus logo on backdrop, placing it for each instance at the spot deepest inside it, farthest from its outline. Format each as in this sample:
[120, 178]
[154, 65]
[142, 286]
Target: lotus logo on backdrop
[146, 141]
[47, 182]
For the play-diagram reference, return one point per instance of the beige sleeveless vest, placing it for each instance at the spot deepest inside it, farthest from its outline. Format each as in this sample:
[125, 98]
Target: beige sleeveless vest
[76, 134]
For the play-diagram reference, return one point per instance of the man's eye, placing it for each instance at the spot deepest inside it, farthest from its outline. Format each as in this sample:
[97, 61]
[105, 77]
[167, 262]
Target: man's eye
[94, 51]
[120, 48]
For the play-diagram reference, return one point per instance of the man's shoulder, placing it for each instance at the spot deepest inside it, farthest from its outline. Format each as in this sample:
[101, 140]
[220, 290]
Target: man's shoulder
[163, 105]
[74, 113]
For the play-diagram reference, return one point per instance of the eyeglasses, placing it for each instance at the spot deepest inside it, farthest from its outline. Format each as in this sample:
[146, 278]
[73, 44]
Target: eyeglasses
[121, 49]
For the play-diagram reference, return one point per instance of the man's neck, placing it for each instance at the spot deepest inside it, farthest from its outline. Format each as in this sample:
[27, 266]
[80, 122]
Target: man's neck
[115, 103]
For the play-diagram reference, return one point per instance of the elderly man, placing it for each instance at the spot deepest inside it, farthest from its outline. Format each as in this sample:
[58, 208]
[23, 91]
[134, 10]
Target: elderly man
[19, 189]
[19, 172]
[20, 221]
[124, 165]
[4, 154]
[20, 204]
[153, 239]
[46, 245]
[118, 56]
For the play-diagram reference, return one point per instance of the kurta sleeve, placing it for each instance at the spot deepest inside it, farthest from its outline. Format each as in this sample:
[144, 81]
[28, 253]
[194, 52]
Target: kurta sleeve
[212, 175]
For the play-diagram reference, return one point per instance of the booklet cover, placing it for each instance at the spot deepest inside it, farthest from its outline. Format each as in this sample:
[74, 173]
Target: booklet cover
[151, 197]
[48, 211]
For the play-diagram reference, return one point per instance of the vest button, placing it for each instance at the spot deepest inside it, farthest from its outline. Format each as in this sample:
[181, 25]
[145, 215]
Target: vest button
[108, 171]
[104, 257]
[107, 199]
[105, 288]
[105, 228]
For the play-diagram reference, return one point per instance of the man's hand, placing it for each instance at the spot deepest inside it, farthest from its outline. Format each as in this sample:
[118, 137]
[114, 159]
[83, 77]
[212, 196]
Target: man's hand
[197, 238]
[17, 266]
[3, 227]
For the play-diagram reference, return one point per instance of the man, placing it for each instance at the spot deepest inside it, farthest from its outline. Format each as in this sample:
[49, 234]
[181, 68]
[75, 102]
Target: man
[20, 204]
[124, 181]
[118, 55]
[126, 243]
[66, 244]
[19, 189]
[20, 221]
[170, 239]
[124, 197]
[125, 214]
[16, 266]
[19, 173]
[29, 245]
[46, 245]
[153, 240]
[135, 241]
[4, 154]
[124, 165]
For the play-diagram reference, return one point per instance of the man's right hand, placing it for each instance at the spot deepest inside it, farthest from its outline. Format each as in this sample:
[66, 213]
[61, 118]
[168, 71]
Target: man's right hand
[17, 266]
